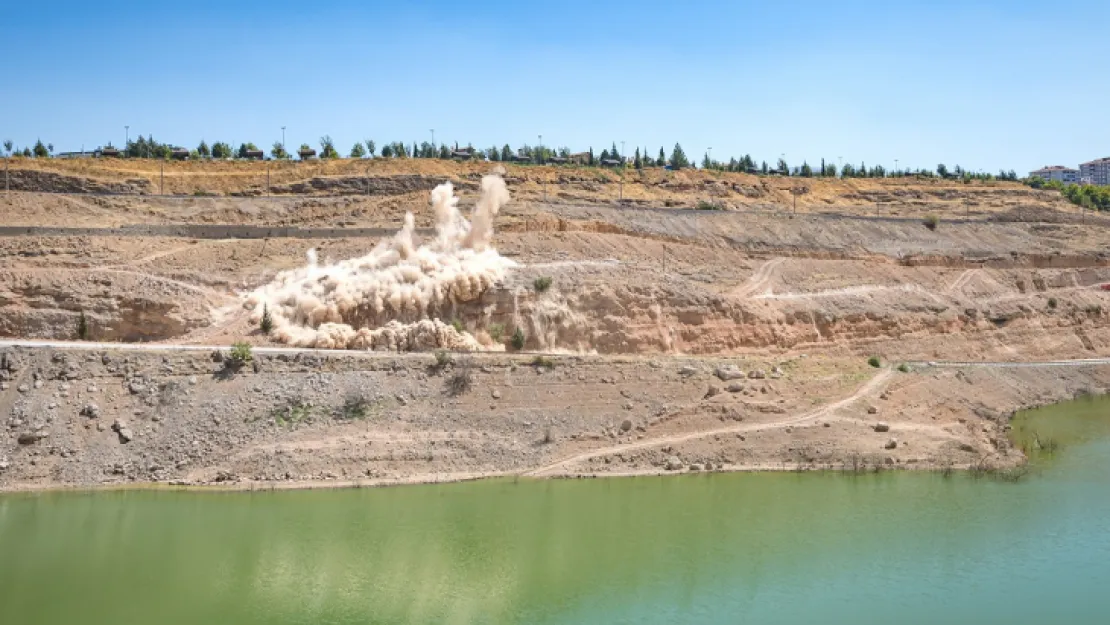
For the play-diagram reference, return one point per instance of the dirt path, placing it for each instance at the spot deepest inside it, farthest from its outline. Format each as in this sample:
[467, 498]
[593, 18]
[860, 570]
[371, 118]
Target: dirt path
[870, 387]
[759, 280]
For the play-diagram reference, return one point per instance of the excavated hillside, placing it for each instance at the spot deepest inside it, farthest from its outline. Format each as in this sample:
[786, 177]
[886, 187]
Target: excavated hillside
[673, 337]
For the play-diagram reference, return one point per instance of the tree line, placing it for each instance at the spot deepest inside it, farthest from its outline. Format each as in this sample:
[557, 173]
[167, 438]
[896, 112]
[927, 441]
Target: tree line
[1088, 196]
[148, 147]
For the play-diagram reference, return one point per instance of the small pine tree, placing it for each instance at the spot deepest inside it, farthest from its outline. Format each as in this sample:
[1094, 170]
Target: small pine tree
[517, 341]
[662, 160]
[370, 147]
[267, 322]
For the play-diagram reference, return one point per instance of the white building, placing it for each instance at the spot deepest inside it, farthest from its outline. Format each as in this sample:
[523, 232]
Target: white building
[1096, 171]
[1060, 173]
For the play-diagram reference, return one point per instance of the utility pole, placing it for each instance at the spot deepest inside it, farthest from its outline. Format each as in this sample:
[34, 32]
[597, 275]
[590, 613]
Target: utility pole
[541, 150]
[283, 141]
[7, 181]
[622, 153]
[126, 137]
[896, 166]
[433, 131]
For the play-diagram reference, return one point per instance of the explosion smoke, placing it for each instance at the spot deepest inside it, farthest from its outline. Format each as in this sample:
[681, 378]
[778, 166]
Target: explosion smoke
[392, 298]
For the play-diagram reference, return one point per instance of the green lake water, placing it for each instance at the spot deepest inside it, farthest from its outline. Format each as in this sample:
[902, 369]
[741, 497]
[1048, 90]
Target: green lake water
[727, 548]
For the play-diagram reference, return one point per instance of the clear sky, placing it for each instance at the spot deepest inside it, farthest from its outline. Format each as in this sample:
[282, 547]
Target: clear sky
[985, 84]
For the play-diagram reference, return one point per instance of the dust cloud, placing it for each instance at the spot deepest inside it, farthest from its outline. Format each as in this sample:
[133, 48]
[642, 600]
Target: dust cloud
[393, 298]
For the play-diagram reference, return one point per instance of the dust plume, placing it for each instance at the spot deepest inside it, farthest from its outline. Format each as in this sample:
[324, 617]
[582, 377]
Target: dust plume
[395, 297]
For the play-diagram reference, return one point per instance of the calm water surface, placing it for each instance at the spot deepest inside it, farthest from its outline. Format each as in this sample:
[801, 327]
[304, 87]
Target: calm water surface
[764, 548]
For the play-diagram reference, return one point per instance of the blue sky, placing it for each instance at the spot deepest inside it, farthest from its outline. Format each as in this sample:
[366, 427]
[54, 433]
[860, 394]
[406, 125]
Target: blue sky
[988, 84]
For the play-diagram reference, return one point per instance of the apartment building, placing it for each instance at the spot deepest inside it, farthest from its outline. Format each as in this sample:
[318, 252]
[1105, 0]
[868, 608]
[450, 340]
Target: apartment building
[1057, 172]
[1096, 171]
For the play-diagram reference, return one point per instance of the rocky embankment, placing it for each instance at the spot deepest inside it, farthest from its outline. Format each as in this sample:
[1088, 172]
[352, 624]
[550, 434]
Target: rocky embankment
[92, 418]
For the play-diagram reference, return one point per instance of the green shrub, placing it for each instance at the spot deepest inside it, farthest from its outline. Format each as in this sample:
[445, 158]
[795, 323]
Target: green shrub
[874, 362]
[904, 368]
[355, 407]
[240, 355]
[931, 222]
[518, 339]
[542, 284]
[1052, 303]
[267, 322]
[458, 325]
[703, 205]
[496, 331]
[543, 362]
[444, 359]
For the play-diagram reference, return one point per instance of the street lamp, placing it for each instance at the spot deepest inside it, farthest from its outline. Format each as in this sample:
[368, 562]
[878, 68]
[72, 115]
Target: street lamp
[710, 158]
[283, 141]
[541, 148]
[126, 136]
[895, 166]
[433, 131]
[622, 152]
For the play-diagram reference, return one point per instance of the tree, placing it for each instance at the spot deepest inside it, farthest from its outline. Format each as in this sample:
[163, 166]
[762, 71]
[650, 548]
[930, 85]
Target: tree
[942, 170]
[370, 147]
[506, 153]
[661, 160]
[40, 149]
[203, 150]
[763, 169]
[807, 171]
[8, 146]
[358, 151]
[590, 156]
[387, 151]
[636, 162]
[327, 147]
[444, 152]
[613, 153]
[493, 154]
[27, 152]
[246, 147]
[50, 148]
[783, 168]
[605, 156]
[221, 150]
[266, 324]
[278, 151]
[678, 157]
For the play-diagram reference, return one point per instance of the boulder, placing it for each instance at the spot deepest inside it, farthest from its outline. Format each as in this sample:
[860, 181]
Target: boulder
[882, 426]
[30, 438]
[872, 410]
[626, 425]
[757, 374]
[891, 444]
[687, 371]
[729, 372]
[90, 410]
[674, 464]
[735, 387]
[125, 435]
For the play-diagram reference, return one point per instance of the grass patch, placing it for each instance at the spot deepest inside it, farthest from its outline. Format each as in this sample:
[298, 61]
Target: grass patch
[1052, 303]
[444, 359]
[874, 362]
[293, 412]
[543, 362]
[355, 408]
[904, 368]
[496, 331]
[542, 284]
[931, 222]
[458, 325]
[704, 205]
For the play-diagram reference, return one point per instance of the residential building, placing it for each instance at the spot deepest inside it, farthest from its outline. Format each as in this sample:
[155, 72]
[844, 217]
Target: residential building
[1059, 173]
[1096, 171]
